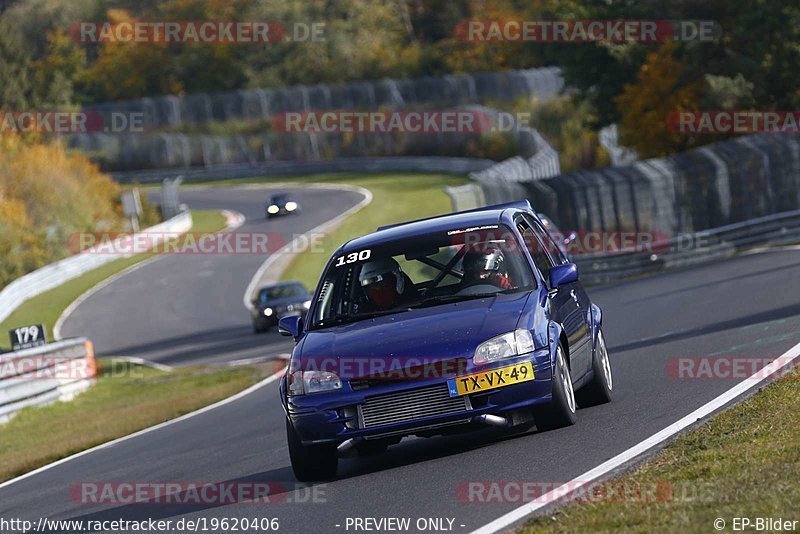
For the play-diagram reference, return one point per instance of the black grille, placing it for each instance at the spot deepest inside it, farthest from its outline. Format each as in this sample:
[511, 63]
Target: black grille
[407, 405]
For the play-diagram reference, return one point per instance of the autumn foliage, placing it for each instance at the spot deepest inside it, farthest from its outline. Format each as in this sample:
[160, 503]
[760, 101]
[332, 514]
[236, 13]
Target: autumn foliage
[660, 89]
[46, 194]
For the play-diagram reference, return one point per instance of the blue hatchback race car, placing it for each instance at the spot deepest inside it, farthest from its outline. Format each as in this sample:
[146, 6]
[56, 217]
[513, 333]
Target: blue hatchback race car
[441, 325]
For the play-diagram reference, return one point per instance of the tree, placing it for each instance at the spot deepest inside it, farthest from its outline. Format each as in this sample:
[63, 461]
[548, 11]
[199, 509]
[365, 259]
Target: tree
[15, 86]
[661, 88]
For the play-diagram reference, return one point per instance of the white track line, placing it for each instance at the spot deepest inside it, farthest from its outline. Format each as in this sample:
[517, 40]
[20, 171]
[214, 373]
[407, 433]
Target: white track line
[233, 220]
[145, 363]
[367, 199]
[640, 448]
[159, 426]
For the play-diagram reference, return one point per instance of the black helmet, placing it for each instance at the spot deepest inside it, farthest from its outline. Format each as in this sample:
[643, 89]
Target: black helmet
[480, 263]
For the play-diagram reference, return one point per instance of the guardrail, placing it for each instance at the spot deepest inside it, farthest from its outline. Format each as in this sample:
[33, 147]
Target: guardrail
[292, 168]
[55, 274]
[162, 144]
[707, 187]
[172, 111]
[41, 375]
[686, 250]
[503, 181]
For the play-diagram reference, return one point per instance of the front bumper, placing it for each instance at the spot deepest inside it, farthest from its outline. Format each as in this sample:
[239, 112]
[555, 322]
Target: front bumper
[262, 321]
[281, 212]
[335, 416]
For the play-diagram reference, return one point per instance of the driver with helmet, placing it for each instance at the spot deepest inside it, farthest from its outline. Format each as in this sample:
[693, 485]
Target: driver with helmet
[385, 285]
[485, 266]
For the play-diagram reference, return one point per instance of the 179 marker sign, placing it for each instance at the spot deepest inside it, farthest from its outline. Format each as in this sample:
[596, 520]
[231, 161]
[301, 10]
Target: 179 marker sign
[26, 337]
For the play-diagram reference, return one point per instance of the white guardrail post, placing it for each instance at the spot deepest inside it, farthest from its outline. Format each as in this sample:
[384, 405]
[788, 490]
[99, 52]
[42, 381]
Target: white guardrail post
[45, 374]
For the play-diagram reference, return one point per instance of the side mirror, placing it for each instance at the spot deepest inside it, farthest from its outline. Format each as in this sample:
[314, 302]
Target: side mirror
[563, 274]
[291, 325]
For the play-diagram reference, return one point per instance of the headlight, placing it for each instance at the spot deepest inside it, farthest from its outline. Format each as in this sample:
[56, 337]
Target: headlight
[307, 304]
[291, 206]
[508, 345]
[304, 382]
[273, 209]
[268, 311]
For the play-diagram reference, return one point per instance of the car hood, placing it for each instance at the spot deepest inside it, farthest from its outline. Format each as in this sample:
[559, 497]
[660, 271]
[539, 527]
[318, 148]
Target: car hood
[420, 336]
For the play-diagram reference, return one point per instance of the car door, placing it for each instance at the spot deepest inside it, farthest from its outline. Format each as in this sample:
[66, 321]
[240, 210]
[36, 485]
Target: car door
[565, 302]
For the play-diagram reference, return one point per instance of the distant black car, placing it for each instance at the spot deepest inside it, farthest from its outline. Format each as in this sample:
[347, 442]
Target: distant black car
[281, 204]
[279, 300]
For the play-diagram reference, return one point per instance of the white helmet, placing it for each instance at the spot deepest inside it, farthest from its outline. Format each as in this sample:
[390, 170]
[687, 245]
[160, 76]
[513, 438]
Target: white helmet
[376, 271]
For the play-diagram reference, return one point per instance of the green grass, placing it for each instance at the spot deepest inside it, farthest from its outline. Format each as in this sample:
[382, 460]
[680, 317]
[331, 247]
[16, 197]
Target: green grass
[743, 463]
[125, 399]
[47, 307]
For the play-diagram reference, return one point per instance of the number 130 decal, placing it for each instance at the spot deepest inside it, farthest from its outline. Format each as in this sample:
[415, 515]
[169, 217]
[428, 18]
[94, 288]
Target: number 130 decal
[353, 257]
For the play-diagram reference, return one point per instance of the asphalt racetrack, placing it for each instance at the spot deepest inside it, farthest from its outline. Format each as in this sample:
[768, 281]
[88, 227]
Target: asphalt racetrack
[186, 308]
[742, 306]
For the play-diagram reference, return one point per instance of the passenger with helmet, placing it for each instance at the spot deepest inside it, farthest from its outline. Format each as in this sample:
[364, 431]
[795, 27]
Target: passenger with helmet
[485, 265]
[385, 285]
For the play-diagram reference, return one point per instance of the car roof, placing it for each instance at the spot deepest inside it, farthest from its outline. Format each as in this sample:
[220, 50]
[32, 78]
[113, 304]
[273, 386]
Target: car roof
[488, 215]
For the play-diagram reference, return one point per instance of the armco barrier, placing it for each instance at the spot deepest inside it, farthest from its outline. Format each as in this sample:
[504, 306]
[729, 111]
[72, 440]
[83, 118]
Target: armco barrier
[707, 187]
[443, 91]
[41, 375]
[162, 144]
[721, 198]
[686, 250]
[55, 274]
[293, 168]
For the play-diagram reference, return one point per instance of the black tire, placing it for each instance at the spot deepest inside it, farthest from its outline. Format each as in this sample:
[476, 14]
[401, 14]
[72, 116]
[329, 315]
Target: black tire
[310, 463]
[600, 389]
[258, 329]
[559, 412]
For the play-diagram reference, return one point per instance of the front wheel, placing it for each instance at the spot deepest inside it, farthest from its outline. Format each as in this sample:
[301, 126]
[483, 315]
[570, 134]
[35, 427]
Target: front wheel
[600, 389]
[310, 463]
[560, 411]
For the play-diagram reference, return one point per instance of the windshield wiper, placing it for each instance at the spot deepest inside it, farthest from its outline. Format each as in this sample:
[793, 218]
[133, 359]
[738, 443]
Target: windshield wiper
[370, 315]
[340, 319]
[445, 299]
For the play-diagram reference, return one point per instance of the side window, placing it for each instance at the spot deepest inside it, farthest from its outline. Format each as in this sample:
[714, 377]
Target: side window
[537, 250]
[551, 246]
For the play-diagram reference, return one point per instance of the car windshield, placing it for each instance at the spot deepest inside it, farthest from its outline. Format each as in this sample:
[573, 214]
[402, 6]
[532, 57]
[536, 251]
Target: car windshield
[424, 270]
[281, 292]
